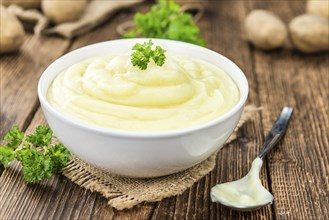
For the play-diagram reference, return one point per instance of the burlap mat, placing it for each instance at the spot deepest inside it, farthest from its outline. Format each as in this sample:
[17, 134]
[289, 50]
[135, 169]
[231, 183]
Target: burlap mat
[125, 192]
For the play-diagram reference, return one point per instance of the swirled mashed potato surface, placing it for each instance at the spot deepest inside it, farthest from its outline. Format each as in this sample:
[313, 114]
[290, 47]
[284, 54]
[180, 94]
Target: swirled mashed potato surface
[109, 92]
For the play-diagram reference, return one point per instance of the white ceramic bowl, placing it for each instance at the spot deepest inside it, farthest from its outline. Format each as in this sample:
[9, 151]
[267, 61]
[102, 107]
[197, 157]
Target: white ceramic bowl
[142, 154]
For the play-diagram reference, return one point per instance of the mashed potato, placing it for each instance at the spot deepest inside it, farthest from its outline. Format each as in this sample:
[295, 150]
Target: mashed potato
[110, 92]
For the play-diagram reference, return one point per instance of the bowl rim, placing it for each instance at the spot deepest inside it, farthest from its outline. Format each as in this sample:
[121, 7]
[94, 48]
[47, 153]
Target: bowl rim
[141, 134]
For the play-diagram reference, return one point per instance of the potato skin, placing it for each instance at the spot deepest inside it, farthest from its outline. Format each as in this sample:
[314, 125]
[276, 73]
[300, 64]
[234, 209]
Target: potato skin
[23, 3]
[60, 11]
[265, 29]
[11, 32]
[310, 33]
[318, 7]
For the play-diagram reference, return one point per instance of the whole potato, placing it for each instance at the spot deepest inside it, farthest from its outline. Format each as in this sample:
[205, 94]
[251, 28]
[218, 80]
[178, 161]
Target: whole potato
[23, 3]
[63, 11]
[310, 33]
[318, 7]
[11, 32]
[265, 30]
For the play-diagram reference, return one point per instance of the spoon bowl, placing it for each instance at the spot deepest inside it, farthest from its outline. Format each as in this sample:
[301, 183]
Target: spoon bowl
[247, 193]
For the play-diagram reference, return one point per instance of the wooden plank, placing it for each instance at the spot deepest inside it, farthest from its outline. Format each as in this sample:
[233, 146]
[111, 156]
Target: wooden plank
[298, 168]
[19, 74]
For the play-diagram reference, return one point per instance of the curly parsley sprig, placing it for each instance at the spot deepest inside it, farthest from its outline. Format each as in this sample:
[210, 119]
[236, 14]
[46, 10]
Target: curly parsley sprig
[166, 20]
[143, 53]
[39, 155]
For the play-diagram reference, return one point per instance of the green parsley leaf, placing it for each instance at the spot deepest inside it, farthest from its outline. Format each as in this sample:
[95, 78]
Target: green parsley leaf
[7, 155]
[166, 20]
[143, 53]
[20, 153]
[41, 136]
[36, 166]
[13, 137]
[60, 156]
[159, 56]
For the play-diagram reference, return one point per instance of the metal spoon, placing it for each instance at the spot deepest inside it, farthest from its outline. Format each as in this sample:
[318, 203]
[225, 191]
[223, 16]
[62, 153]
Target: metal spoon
[248, 193]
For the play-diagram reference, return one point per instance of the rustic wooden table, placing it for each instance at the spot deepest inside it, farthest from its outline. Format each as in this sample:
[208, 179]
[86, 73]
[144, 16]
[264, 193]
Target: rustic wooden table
[296, 172]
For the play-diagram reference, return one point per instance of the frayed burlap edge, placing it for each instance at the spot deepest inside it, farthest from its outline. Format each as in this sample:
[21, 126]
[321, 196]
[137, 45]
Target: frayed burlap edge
[125, 192]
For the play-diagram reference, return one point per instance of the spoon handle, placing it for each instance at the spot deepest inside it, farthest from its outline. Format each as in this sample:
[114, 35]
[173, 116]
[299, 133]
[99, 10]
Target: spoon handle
[277, 131]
